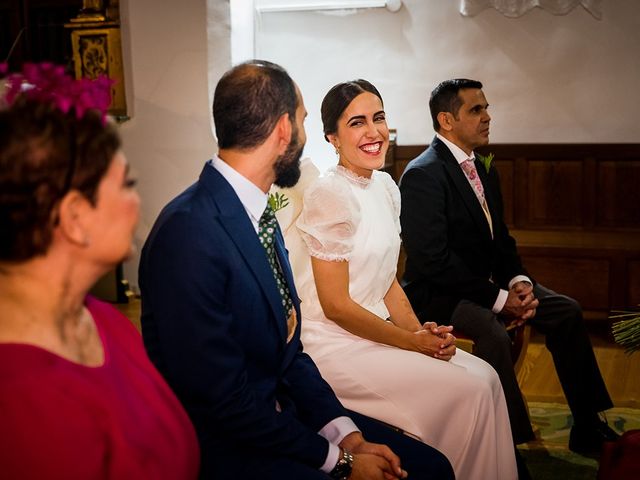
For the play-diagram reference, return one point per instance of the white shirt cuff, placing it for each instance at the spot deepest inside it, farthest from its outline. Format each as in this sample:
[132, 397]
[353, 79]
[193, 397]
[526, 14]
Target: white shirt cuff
[334, 432]
[519, 278]
[332, 458]
[500, 301]
[503, 294]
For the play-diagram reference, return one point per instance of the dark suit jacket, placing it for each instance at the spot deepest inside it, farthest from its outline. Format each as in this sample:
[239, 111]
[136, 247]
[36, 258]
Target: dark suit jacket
[446, 236]
[214, 325]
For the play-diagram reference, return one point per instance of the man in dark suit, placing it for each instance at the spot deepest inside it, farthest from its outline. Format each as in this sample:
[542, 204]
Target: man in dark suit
[220, 310]
[463, 266]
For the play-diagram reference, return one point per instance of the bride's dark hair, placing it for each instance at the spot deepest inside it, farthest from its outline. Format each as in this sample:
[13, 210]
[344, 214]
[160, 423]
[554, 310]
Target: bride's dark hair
[338, 99]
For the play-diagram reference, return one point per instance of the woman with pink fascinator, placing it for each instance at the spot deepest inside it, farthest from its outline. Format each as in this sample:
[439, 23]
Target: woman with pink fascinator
[78, 397]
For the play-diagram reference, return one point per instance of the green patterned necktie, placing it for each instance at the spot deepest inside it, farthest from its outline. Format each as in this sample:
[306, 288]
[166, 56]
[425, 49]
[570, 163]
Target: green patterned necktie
[266, 232]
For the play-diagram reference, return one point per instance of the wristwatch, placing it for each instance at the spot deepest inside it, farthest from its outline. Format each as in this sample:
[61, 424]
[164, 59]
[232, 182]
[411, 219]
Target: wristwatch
[342, 470]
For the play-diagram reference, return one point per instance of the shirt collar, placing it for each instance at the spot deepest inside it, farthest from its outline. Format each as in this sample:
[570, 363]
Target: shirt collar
[457, 152]
[252, 198]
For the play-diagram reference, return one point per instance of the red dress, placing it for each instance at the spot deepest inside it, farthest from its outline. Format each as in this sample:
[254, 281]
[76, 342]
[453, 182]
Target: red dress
[62, 420]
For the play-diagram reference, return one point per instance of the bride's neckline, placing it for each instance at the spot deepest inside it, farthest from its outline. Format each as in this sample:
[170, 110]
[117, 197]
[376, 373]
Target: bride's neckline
[352, 176]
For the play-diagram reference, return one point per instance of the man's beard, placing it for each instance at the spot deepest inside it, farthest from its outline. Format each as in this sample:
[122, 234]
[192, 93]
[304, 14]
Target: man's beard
[287, 166]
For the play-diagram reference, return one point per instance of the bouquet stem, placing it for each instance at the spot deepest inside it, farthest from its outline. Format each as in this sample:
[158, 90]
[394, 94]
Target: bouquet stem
[626, 330]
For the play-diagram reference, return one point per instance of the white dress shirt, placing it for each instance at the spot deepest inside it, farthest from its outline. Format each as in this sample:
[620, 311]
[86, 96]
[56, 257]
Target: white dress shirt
[254, 201]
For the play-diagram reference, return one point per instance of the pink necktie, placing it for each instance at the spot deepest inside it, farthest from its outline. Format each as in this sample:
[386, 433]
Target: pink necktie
[470, 171]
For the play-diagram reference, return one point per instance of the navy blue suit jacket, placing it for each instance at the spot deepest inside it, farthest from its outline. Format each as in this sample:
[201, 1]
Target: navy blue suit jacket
[451, 254]
[214, 325]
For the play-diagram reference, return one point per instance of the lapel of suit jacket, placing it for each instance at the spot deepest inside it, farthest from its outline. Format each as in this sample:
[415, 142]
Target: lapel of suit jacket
[461, 183]
[234, 220]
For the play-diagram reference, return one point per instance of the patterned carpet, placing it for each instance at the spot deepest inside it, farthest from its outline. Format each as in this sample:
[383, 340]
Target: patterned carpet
[549, 458]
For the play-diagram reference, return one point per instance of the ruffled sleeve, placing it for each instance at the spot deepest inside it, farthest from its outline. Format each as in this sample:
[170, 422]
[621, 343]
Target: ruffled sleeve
[329, 219]
[393, 193]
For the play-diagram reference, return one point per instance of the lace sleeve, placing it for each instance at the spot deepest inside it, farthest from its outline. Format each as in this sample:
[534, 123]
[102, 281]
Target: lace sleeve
[393, 193]
[329, 219]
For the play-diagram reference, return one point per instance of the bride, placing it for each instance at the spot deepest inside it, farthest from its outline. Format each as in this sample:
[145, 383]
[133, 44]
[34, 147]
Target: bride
[358, 325]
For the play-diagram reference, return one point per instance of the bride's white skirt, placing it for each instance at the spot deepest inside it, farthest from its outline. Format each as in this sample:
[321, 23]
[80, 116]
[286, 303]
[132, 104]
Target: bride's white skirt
[457, 407]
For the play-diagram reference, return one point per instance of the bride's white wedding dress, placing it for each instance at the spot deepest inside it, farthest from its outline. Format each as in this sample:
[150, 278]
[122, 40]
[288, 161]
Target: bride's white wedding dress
[458, 406]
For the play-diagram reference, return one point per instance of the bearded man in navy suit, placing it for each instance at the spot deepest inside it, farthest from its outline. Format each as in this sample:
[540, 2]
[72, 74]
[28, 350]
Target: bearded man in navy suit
[463, 266]
[220, 310]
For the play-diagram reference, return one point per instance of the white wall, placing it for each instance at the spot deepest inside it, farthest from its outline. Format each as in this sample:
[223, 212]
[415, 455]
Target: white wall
[548, 78]
[167, 62]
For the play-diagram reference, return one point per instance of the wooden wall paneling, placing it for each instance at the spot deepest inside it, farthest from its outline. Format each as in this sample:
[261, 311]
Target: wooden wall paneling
[521, 189]
[403, 154]
[555, 193]
[618, 194]
[398, 169]
[618, 286]
[506, 168]
[589, 192]
[633, 282]
[581, 277]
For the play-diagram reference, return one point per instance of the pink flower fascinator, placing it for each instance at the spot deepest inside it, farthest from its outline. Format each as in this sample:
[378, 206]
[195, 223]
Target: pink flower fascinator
[48, 83]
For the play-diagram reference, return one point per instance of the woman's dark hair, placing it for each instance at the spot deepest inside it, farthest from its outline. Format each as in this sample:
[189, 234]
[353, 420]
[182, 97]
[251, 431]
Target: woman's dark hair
[248, 101]
[338, 99]
[45, 153]
[444, 98]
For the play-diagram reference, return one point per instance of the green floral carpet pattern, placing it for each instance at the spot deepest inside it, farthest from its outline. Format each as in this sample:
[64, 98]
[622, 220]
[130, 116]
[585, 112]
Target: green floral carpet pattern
[548, 457]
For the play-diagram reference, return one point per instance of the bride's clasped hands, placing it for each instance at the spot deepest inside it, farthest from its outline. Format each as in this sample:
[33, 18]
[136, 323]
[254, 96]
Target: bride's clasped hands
[435, 341]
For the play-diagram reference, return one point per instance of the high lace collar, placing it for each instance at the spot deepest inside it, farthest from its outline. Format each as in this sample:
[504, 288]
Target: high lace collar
[353, 177]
